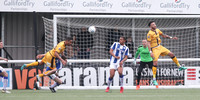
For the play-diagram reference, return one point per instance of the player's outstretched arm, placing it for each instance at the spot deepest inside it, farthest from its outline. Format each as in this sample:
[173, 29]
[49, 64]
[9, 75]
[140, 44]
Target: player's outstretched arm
[1, 58]
[39, 56]
[170, 37]
[62, 60]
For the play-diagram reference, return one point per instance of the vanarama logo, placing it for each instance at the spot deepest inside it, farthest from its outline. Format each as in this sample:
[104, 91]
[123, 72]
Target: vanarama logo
[177, 4]
[58, 3]
[98, 4]
[19, 3]
[136, 4]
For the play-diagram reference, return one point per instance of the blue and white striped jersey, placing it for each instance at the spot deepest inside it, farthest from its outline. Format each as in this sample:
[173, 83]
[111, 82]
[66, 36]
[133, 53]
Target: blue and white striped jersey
[120, 51]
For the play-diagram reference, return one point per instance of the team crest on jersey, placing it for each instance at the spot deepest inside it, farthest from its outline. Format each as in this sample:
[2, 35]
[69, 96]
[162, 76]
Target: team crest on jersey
[59, 48]
[148, 36]
[123, 49]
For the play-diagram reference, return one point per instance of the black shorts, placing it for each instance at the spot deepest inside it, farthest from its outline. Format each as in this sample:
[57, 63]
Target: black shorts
[143, 64]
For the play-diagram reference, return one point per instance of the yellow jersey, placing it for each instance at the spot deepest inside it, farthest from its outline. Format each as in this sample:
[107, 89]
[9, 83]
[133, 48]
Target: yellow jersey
[154, 37]
[60, 47]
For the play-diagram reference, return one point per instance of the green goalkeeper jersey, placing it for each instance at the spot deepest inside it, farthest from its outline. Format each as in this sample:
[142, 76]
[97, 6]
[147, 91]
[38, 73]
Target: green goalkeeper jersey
[144, 54]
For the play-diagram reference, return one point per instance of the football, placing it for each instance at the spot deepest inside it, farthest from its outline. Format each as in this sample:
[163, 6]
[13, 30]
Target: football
[92, 29]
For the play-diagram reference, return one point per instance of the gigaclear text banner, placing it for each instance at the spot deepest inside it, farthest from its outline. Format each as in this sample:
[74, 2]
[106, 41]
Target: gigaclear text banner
[103, 6]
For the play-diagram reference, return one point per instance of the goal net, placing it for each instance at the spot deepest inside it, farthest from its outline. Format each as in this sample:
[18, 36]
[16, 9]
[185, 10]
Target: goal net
[90, 51]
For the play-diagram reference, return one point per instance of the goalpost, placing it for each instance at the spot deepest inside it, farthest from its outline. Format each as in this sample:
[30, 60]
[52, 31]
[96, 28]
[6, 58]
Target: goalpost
[88, 58]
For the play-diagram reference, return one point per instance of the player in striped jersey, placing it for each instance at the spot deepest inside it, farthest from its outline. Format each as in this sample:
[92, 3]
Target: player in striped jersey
[119, 54]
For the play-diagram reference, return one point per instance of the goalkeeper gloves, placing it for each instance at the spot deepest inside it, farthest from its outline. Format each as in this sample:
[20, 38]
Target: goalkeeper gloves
[134, 62]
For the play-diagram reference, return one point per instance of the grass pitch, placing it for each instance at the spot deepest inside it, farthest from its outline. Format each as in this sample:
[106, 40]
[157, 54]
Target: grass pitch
[142, 94]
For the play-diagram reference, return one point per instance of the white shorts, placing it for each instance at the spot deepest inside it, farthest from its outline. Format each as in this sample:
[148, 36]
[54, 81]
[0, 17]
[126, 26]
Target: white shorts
[114, 66]
[2, 69]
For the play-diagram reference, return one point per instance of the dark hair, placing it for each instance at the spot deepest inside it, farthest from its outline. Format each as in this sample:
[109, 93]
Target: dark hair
[68, 38]
[150, 23]
[123, 37]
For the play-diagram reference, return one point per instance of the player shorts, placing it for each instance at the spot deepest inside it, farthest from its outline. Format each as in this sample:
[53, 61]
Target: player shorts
[114, 66]
[160, 50]
[2, 69]
[58, 65]
[49, 60]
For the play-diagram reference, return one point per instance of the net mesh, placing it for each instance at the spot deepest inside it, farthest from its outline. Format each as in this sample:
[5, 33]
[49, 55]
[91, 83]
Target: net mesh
[108, 30]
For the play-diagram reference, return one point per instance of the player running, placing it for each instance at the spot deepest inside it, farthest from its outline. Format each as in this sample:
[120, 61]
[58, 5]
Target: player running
[156, 49]
[50, 61]
[51, 73]
[4, 74]
[119, 54]
[146, 59]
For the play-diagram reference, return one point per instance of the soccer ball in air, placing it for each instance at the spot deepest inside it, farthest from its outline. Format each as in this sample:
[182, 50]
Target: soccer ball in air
[92, 29]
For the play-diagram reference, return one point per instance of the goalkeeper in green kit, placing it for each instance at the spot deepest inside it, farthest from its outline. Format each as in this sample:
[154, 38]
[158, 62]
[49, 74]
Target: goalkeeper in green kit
[146, 59]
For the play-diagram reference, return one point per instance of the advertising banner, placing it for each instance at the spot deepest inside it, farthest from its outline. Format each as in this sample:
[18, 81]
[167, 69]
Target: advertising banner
[9, 85]
[98, 76]
[103, 6]
[192, 76]
[91, 76]
[25, 79]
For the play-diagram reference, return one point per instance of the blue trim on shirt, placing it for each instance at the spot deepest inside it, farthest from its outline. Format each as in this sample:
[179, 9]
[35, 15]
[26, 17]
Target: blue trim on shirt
[114, 46]
[127, 52]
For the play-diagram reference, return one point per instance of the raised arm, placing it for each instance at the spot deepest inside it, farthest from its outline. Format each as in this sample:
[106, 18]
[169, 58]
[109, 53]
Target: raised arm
[166, 36]
[169, 37]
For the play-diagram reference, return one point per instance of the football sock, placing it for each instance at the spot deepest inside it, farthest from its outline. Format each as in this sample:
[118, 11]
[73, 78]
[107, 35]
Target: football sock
[121, 80]
[54, 85]
[175, 61]
[154, 69]
[138, 78]
[41, 75]
[109, 81]
[32, 64]
[5, 83]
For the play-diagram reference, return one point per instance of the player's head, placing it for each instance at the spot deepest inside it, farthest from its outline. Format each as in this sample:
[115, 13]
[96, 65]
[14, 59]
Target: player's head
[144, 42]
[68, 41]
[152, 24]
[1, 44]
[122, 40]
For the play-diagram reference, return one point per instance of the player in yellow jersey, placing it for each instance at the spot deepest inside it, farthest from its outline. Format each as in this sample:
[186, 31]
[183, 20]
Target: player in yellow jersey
[156, 49]
[50, 60]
